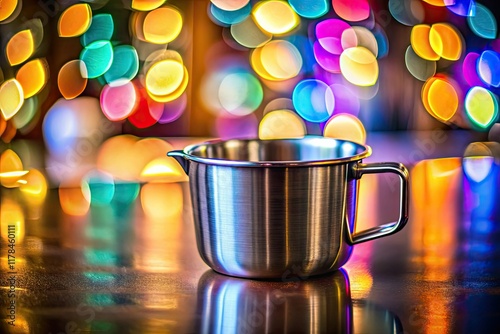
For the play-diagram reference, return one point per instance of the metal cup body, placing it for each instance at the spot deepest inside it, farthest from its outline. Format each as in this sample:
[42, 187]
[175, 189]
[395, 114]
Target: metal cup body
[273, 222]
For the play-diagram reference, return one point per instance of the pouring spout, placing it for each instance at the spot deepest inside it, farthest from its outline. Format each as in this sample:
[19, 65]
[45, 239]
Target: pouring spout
[181, 158]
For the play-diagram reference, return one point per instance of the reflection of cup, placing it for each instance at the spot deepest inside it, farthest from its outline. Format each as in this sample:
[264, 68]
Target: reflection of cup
[317, 305]
[263, 208]
[234, 305]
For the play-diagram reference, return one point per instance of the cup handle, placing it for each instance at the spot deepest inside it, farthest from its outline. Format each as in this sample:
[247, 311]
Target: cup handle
[359, 170]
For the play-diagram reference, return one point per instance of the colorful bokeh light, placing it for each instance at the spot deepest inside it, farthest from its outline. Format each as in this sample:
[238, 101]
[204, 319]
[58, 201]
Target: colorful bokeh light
[119, 100]
[346, 127]
[144, 116]
[359, 66]
[446, 41]
[160, 55]
[11, 169]
[161, 200]
[20, 47]
[232, 91]
[176, 93]
[477, 168]
[310, 9]
[164, 77]
[349, 38]
[69, 120]
[162, 25]
[34, 187]
[101, 28]
[163, 169]
[73, 201]
[101, 187]
[382, 41]
[438, 3]
[27, 113]
[170, 111]
[420, 42]
[98, 57]
[240, 93]
[115, 156]
[440, 97]
[230, 5]
[313, 100]
[277, 104]
[258, 67]
[462, 7]
[7, 9]
[329, 34]
[345, 100]
[147, 150]
[72, 79]
[328, 61]
[228, 17]
[481, 107]
[33, 76]
[11, 98]
[488, 67]
[281, 124]
[469, 69]
[363, 37]
[483, 22]
[75, 20]
[146, 5]
[281, 60]
[249, 34]
[125, 193]
[420, 68]
[136, 24]
[11, 214]
[8, 130]
[35, 26]
[275, 17]
[407, 12]
[9, 4]
[352, 10]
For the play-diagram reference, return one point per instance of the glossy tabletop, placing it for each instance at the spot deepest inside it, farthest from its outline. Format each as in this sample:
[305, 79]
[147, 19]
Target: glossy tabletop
[131, 265]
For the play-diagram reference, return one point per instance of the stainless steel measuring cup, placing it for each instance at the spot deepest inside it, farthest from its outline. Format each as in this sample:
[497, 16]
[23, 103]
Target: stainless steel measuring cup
[265, 208]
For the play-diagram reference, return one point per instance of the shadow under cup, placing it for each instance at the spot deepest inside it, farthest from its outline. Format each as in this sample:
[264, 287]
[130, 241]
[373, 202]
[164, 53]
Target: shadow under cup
[263, 208]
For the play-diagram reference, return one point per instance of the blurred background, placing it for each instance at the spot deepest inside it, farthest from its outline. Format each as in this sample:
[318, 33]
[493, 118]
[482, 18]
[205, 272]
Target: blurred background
[87, 84]
[215, 68]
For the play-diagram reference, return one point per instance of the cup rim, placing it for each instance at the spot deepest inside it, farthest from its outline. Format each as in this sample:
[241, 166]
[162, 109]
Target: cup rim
[188, 154]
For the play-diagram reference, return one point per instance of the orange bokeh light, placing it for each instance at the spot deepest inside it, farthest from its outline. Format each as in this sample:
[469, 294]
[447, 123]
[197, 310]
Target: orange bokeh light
[146, 5]
[75, 20]
[7, 9]
[73, 201]
[70, 80]
[20, 47]
[420, 43]
[446, 41]
[33, 76]
[162, 25]
[440, 98]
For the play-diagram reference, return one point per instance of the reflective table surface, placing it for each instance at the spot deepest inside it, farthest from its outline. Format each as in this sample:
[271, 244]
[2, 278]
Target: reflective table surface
[127, 261]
